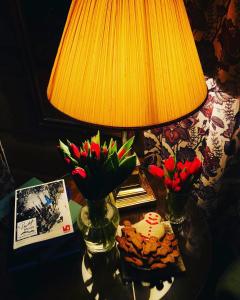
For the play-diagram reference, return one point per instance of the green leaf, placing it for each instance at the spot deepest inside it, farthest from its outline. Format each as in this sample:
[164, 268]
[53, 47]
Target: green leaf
[104, 145]
[127, 145]
[124, 155]
[111, 180]
[112, 147]
[96, 138]
[129, 162]
[74, 161]
[112, 162]
[64, 148]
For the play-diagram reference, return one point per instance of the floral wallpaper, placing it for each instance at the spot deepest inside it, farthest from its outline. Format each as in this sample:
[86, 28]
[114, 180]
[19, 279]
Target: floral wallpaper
[216, 28]
[213, 133]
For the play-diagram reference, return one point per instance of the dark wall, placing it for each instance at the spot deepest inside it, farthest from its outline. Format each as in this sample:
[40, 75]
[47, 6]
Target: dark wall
[30, 148]
[14, 87]
[29, 127]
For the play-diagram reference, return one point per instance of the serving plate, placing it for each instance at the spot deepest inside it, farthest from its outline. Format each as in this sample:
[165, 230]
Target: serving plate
[170, 269]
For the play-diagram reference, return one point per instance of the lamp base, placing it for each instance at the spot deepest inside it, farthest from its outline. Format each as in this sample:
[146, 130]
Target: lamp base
[135, 191]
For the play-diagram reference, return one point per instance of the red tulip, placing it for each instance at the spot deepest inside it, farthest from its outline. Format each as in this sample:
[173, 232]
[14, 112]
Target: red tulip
[84, 154]
[95, 148]
[80, 172]
[168, 182]
[175, 182]
[175, 175]
[180, 166]
[85, 146]
[83, 157]
[195, 166]
[121, 153]
[170, 164]
[187, 165]
[155, 171]
[184, 175]
[75, 150]
[177, 188]
[67, 159]
[105, 150]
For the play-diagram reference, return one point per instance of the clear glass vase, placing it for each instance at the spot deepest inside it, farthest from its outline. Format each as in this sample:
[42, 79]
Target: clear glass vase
[98, 221]
[176, 207]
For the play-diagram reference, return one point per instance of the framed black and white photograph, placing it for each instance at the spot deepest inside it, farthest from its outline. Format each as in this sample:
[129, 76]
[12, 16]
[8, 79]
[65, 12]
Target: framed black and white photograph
[41, 213]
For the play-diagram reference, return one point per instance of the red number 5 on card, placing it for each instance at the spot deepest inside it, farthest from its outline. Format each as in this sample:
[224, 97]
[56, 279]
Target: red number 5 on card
[66, 228]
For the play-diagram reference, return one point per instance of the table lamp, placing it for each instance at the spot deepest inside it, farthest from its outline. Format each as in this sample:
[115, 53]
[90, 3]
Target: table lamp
[127, 64]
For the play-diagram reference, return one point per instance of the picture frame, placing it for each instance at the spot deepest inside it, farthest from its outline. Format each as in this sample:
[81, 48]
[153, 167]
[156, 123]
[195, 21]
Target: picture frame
[39, 28]
[6, 179]
[41, 212]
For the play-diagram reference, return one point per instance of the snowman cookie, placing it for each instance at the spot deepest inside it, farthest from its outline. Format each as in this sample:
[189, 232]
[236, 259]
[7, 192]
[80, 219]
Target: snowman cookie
[150, 226]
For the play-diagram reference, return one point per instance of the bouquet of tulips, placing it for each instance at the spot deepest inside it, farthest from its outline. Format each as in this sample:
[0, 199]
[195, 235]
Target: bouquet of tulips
[98, 168]
[178, 177]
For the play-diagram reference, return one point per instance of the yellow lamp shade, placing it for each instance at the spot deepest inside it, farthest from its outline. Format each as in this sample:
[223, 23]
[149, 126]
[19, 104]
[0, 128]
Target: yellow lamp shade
[127, 64]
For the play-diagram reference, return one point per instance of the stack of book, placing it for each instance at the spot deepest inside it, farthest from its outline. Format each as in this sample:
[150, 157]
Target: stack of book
[135, 191]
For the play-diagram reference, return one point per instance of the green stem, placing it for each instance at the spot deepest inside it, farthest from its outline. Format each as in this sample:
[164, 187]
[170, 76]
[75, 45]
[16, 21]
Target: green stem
[97, 211]
[176, 203]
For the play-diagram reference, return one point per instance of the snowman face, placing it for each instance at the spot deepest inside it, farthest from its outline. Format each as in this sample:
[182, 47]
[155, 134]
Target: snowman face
[152, 216]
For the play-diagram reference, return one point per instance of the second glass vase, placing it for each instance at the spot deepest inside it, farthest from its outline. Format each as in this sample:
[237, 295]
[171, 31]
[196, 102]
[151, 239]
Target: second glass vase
[176, 207]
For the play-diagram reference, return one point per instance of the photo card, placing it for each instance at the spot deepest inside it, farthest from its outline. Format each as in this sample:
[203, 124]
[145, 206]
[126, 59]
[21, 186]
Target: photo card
[41, 213]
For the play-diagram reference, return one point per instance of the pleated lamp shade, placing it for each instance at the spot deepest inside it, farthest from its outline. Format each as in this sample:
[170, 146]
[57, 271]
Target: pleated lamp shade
[127, 64]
